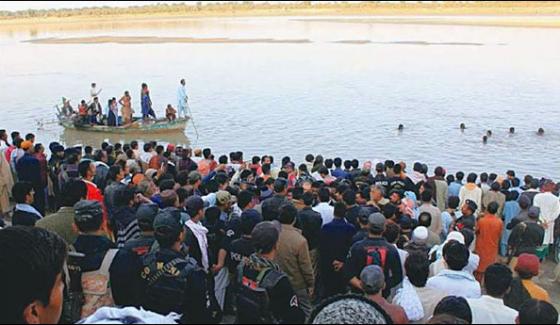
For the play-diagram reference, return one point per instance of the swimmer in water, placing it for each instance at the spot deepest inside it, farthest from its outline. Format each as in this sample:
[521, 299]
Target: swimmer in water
[540, 131]
[489, 133]
[463, 126]
[511, 130]
[401, 127]
[484, 139]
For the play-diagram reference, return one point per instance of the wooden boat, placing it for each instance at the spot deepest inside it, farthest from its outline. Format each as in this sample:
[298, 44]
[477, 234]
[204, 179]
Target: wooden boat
[137, 126]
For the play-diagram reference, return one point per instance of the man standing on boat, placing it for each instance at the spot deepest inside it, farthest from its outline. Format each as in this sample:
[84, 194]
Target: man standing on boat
[94, 92]
[182, 99]
[147, 110]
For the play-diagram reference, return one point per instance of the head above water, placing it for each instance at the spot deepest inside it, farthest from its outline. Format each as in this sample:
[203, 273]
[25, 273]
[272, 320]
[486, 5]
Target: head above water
[511, 130]
[540, 131]
[462, 126]
[401, 127]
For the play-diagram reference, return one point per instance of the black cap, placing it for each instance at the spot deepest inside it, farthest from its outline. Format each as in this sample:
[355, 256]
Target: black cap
[147, 213]
[168, 221]
[265, 235]
[472, 205]
[85, 211]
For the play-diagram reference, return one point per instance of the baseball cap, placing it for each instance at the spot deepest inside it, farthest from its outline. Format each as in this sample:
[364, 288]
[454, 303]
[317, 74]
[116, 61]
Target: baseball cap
[86, 211]
[249, 220]
[265, 235]
[223, 197]
[373, 279]
[168, 222]
[147, 213]
[534, 212]
[528, 263]
[377, 221]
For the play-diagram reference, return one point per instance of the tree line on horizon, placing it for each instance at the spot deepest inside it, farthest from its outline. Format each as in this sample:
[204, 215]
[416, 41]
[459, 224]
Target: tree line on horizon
[240, 6]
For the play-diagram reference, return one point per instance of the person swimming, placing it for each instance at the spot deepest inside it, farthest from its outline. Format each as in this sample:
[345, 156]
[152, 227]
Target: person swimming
[489, 133]
[463, 126]
[540, 131]
[484, 139]
[511, 130]
[401, 127]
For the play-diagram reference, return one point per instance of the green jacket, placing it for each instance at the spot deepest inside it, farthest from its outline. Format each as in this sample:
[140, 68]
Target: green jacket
[61, 224]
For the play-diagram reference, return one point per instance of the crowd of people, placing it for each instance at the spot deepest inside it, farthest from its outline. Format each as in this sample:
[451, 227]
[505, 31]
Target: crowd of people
[128, 232]
[92, 113]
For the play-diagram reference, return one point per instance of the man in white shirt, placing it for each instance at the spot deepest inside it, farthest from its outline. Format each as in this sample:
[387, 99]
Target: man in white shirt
[490, 308]
[454, 280]
[324, 208]
[94, 92]
[550, 209]
[182, 99]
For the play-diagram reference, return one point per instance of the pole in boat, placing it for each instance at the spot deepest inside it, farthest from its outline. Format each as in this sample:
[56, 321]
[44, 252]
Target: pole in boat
[192, 119]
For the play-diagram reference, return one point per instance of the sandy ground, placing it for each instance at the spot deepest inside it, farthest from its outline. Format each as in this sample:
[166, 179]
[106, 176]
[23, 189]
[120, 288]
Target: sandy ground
[159, 40]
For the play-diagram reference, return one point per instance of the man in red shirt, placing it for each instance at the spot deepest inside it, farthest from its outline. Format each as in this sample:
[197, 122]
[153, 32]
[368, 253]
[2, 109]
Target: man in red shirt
[87, 172]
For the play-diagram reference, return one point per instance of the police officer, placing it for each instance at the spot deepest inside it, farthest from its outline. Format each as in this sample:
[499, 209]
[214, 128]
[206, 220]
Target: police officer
[145, 215]
[266, 295]
[172, 281]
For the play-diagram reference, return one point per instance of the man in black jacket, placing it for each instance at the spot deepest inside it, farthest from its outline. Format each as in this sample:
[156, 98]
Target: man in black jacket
[374, 250]
[527, 236]
[271, 206]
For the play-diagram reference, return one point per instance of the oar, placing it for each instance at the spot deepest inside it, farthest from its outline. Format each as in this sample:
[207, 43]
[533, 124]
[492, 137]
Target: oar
[192, 118]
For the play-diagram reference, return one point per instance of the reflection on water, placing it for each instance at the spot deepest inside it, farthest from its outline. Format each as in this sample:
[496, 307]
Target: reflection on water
[72, 138]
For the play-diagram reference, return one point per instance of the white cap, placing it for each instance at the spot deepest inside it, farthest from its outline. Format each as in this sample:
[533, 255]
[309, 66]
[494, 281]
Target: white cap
[456, 236]
[420, 234]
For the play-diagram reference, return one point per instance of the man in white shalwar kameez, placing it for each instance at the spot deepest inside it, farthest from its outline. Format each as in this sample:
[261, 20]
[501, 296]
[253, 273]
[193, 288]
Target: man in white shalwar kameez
[182, 99]
[550, 210]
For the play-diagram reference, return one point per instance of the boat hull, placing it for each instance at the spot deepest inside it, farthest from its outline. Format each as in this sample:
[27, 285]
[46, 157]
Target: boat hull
[152, 127]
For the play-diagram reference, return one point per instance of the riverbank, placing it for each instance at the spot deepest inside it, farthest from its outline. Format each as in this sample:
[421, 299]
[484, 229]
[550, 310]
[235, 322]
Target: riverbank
[506, 13]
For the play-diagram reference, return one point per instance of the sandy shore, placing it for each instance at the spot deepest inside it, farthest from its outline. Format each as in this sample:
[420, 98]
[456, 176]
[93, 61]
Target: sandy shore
[362, 42]
[160, 40]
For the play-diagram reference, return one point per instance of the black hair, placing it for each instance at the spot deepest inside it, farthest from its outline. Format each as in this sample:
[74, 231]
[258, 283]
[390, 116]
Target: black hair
[309, 158]
[72, 192]
[537, 312]
[166, 184]
[484, 177]
[347, 164]
[244, 198]
[288, 214]
[439, 171]
[337, 162]
[206, 153]
[221, 178]
[468, 235]
[167, 238]
[397, 169]
[417, 267]
[497, 280]
[266, 168]
[454, 306]
[389, 210]
[349, 197]
[21, 190]
[392, 232]
[29, 136]
[31, 259]
[123, 197]
[308, 199]
[339, 210]
[453, 202]
[456, 255]
[459, 176]
[223, 159]
[355, 163]
[389, 164]
[248, 223]
[450, 179]
[329, 163]
[425, 219]
[256, 160]
[324, 195]
[471, 178]
[147, 147]
[182, 178]
[493, 207]
[84, 167]
[114, 171]
[427, 196]
[283, 174]
[280, 185]
[495, 186]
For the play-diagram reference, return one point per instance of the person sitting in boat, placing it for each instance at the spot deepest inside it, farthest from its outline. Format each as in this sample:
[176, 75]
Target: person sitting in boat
[67, 109]
[113, 113]
[147, 110]
[170, 113]
[83, 112]
[126, 110]
[94, 110]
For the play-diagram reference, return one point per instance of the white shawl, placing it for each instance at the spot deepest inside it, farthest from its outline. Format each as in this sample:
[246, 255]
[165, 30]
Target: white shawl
[200, 232]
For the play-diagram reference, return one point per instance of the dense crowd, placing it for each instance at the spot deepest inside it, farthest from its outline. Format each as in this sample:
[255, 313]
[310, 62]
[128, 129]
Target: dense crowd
[134, 233]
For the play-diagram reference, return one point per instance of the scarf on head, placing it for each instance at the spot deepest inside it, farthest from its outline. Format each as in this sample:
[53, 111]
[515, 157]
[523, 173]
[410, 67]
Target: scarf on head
[200, 233]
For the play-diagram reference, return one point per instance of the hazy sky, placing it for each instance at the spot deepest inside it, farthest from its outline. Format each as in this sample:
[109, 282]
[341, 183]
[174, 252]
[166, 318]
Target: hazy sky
[23, 5]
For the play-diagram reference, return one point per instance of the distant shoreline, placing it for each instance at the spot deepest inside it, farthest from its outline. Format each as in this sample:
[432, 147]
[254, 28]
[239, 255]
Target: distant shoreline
[496, 14]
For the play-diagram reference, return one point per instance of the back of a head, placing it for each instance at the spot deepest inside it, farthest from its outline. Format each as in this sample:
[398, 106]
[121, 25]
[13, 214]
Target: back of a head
[495, 187]
[497, 280]
[167, 227]
[309, 158]
[472, 178]
[265, 237]
[349, 309]
[31, 260]
[468, 235]
[484, 177]
[417, 267]
[453, 202]
[337, 162]
[249, 220]
[397, 169]
[308, 199]
[280, 185]
[324, 195]
[347, 164]
[459, 176]
[493, 207]
[288, 214]
[373, 279]
[73, 192]
[454, 306]
[425, 219]
[244, 198]
[20, 191]
[206, 153]
[537, 312]
[439, 171]
[427, 196]
[456, 255]
[349, 197]
[339, 210]
[88, 216]
[84, 167]
[392, 232]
